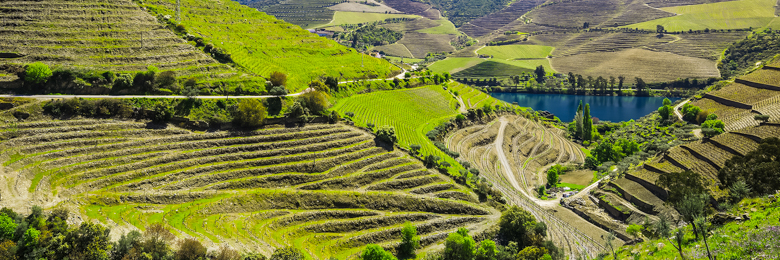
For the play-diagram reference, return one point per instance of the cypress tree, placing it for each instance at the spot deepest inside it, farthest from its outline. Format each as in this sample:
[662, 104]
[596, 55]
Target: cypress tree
[578, 120]
[587, 124]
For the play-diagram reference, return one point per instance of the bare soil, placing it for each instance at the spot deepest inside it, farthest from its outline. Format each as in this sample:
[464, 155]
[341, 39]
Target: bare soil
[579, 177]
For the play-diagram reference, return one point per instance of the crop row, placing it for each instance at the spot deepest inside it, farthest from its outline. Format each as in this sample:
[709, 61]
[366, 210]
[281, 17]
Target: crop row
[738, 143]
[690, 162]
[711, 152]
[745, 94]
[762, 132]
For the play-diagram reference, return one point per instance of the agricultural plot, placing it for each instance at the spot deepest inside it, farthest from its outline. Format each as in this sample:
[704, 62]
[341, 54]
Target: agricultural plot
[699, 45]
[491, 69]
[262, 44]
[420, 44]
[517, 52]
[414, 7]
[395, 49]
[410, 111]
[597, 13]
[326, 189]
[444, 27]
[650, 66]
[745, 94]
[304, 13]
[485, 146]
[362, 7]
[765, 77]
[724, 15]
[454, 65]
[712, 106]
[341, 18]
[497, 20]
[99, 35]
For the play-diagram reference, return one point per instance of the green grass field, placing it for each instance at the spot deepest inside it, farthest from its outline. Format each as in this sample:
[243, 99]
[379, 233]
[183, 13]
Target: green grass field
[724, 15]
[517, 52]
[445, 27]
[408, 110]
[452, 65]
[355, 18]
[262, 44]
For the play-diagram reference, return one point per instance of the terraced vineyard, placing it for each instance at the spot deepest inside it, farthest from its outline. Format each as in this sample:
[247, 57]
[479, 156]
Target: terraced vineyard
[513, 152]
[262, 44]
[326, 189]
[598, 13]
[473, 98]
[411, 111]
[757, 93]
[114, 35]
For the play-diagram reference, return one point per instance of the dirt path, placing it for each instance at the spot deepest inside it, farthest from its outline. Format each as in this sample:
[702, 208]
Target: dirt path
[141, 96]
[677, 109]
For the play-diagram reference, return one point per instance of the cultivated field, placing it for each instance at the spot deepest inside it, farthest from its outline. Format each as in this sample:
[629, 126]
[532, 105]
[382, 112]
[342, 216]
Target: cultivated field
[736, 104]
[116, 36]
[326, 189]
[420, 44]
[262, 44]
[341, 18]
[410, 111]
[497, 20]
[724, 15]
[517, 52]
[650, 66]
[414, 7]
[304, 13]
[598, 13]
[360, 6]
[513, 152]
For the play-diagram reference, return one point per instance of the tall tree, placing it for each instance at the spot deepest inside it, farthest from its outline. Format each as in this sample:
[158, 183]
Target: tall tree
[621, 79]
[640, 84]
[572, 80]
[611, 84]
[578, 120]
[409, 241]
[587, 124]
[540, 74]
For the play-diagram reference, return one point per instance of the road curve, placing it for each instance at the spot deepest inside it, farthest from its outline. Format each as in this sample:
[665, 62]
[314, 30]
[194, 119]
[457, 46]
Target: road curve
[677, 109]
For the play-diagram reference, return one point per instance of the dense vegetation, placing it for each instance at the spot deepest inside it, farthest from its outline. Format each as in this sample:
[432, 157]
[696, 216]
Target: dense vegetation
[743, 55]
[460, 12]
[372, 35]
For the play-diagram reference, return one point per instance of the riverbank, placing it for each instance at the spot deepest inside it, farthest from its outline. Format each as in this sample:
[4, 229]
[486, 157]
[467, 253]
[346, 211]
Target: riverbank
[596, 92]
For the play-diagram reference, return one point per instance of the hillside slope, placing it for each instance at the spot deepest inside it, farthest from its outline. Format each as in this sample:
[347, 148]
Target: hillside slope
[326, 189]
[99, 35]
[263, 44]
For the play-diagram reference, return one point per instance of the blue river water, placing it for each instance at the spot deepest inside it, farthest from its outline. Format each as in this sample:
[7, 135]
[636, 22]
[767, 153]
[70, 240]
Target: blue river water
[605, 108]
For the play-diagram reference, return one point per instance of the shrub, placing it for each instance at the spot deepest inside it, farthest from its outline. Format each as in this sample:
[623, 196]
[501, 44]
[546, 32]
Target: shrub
[334, 117]
[487, 250]
[298, 111]
[190, 248]
[278, 91]
[763, 118]
[634, 230]
[278, 78]
[37, 73]
[250, 113]
[287, 253]
[315, 101]
[386, 134]
[409, 241]
[123, 81]
[166, 79]
[162, 112]
[375, 252]
[7, 227]
[517, 225]
[415, 148]
[459, 246]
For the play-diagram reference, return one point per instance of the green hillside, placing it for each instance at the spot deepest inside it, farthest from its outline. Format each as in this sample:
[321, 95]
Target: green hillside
[263, 44]
[740, 14]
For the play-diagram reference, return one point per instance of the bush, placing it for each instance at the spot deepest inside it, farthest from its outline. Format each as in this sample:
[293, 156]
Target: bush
[415, 148]
[250, 113]
[278, 91]
[386, 134]
[162, 112]
[518, 225]
[37, 73]
[459, 246]
[409, 241]
[315, 101]
[166, 79]
[190, 248]
[287, 253]
[278, 79]
[375, 252]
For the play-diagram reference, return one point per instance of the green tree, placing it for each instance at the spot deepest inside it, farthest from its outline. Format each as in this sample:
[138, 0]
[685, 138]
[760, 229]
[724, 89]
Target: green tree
[7, 227]
[278, 91]
[640, 84]
[459, 246]
[91, 240]
[250, 113]
[659, 28]
[163, 112]
[415, 148]
[587, 124]
[487, 108]
[757, 169]
[125, 243]
[287, 253]
[375, 252]
[531, 253]
[387, 134]
[540, 74]
[409, 241]
[486, 251]
[519, 225]
[552, 177]
[578, 121]
[762, 118]
[621, 79]
[712, 127]
[679, 184]
[37, 73]
[692, 206]
[315, 101]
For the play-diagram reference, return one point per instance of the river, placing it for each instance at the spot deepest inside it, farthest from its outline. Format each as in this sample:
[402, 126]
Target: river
[605, 108]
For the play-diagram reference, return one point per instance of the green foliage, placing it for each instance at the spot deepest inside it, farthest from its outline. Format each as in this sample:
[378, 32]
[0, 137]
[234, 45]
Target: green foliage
[288, 253]
[7, 227]
[665, 112]
[386, 133]
[712, 127]
[30, 237]
[763, 118]
[634, 230]
[520, 226]
[373, 35]
[591, 162]
[487, 108]
[461, 12]
[757, 169]
[743, 55]
[532, 253]
[459, 246]
[690, 112]
[37, 73]
[91, 240]
[679, 184]
[162, 112]
[278, 91]
[666, 101]
[375, 252]
[486, 251]
[315, 101]
[409, 241]
[278, 79]
[587, 124]
[250, 113]
[88, 108]
[552, 176]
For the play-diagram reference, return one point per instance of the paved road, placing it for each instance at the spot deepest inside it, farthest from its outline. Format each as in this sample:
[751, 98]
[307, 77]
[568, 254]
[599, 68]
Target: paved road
[141, 96]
